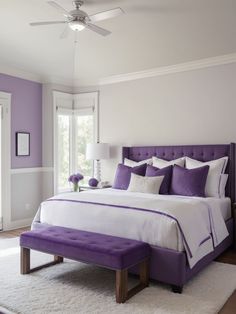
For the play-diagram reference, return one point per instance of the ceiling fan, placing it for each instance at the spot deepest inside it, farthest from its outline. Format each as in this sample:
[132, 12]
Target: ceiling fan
[78, 20]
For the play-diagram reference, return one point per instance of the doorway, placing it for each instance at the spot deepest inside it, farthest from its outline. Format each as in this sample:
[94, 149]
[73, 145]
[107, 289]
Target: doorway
[5, 159]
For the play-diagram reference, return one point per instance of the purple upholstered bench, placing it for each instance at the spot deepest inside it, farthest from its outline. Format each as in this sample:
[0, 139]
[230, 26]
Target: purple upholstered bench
[103, 250]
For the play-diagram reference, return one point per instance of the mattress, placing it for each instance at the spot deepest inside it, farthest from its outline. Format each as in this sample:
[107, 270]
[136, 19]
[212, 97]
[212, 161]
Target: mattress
[163, 220]
[225, 208]
[223, 203]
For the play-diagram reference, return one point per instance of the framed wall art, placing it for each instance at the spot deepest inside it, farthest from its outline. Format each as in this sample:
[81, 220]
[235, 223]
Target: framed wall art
[22, 144]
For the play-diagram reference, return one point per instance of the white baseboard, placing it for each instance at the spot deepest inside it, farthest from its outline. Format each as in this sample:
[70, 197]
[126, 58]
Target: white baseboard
[17, 224]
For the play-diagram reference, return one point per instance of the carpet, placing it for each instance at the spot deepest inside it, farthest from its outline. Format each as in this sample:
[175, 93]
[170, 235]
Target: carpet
[73, 287]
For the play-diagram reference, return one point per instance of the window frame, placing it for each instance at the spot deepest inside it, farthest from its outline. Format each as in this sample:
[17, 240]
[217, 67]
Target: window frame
[72, 104]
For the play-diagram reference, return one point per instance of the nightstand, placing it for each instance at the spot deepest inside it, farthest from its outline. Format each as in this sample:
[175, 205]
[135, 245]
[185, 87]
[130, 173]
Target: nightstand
[87, 187]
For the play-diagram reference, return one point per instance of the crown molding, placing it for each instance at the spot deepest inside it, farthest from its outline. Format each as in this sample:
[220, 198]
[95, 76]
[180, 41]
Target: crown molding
[57, 80]
[165, 70]
[177, 68]
[19, 73]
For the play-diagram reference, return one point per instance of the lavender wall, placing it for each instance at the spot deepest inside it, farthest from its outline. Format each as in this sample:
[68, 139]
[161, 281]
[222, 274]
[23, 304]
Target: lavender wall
[26, 115]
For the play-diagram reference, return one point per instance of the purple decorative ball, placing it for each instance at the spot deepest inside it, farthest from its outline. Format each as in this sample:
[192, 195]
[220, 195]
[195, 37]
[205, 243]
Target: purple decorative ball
[93, 182]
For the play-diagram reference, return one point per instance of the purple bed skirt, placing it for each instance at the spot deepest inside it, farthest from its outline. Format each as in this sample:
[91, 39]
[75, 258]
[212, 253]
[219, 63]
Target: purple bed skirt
[171, 267]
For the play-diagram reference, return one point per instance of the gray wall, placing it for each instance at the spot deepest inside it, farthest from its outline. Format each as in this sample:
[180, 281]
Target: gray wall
[27, 188]
[193, 107]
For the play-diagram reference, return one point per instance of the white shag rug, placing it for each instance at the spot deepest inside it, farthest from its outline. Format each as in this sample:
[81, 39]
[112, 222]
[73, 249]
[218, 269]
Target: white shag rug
[72, 288]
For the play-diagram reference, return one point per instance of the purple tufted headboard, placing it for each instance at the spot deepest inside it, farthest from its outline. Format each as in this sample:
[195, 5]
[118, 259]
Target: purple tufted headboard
[199, 152]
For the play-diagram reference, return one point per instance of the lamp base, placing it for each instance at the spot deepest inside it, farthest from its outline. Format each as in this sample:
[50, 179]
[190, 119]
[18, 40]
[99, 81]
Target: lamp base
[97, 170]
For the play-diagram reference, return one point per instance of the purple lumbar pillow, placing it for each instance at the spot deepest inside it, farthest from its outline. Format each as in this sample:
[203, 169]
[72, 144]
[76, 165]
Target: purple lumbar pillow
[189, 182]
[93, 182]
[156, 172]
[123, 175]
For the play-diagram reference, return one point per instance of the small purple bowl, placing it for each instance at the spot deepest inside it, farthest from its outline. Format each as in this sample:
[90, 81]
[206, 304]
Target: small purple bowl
[93, 182]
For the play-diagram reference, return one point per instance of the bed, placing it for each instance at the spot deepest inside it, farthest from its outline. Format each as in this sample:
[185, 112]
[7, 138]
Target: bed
[170, 263]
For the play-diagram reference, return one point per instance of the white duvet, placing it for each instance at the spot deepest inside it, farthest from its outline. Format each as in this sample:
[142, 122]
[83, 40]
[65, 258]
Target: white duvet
[174, 222]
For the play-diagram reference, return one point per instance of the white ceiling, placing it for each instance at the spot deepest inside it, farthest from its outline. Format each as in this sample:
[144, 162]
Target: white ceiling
[152, 33]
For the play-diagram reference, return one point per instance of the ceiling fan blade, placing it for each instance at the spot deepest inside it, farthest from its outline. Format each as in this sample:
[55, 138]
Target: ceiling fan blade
[47, 23]
[98, 30]
[58, 7]
[64, 34]
[106, 15]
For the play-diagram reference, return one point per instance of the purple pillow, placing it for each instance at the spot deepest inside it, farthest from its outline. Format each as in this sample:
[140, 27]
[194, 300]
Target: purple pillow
[123, 175]
[166, 172]
[189, 182]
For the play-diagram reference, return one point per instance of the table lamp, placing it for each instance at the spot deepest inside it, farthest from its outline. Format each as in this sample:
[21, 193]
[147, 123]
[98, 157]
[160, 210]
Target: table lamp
[97, 151]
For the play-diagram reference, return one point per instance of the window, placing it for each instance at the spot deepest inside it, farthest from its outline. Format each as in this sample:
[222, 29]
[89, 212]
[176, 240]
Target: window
[84, 123]
[64, 166]
[76, 124]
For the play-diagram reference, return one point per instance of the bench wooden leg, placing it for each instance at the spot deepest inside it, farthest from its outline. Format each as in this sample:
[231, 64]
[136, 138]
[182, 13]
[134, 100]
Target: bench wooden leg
[121, 285]
[25, 262]
[144, 272]
[58, 259]
[122, 293]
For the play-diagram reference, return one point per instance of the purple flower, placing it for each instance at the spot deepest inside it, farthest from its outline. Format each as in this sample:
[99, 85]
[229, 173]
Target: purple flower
[70, 178]
[79, 176]
[75, 178]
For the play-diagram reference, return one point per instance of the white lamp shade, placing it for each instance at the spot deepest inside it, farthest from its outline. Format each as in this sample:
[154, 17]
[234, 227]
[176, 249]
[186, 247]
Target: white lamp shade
[97, 151]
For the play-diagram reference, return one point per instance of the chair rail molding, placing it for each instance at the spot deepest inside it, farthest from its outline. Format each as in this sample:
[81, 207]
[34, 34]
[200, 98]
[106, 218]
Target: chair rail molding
[32, 170]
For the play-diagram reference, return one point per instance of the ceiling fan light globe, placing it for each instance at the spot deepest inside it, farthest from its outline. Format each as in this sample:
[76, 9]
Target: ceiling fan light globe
[76, 25]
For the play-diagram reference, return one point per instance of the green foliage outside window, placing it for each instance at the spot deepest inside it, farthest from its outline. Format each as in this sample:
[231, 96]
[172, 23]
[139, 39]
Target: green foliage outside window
[84, 134]
[63, 150]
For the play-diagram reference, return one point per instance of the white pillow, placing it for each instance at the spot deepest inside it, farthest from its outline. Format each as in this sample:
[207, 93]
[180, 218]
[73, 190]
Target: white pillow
[132, 163]
[161, 163]
[217, 167]
[223, 181]
[145, 184]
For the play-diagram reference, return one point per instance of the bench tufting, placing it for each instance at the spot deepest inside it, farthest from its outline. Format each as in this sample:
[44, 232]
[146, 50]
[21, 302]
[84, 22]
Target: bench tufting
[106, 251]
